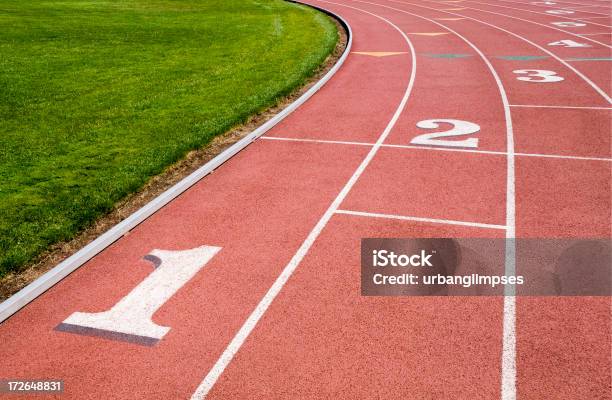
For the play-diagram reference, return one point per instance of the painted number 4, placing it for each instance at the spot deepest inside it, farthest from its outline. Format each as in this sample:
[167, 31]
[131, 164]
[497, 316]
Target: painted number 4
[459, 128]
[131, 318]
[568, 43]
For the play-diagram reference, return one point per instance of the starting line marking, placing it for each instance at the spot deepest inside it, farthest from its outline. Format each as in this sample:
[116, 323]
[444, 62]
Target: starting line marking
[420, 219]
[403, 146]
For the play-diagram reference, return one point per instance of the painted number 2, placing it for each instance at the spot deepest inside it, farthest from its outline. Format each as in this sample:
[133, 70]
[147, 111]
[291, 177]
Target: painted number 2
[459, 128]
[130, 319]
[538, 75]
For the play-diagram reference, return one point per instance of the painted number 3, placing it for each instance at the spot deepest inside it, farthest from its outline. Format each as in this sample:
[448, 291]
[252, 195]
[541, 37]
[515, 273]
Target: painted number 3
[459, 128]
[538, 75]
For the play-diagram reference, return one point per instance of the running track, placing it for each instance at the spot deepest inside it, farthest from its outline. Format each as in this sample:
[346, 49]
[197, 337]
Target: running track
[276, 311]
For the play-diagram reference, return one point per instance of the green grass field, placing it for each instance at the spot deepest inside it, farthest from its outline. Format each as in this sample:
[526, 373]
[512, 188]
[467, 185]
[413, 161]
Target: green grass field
[98, 96]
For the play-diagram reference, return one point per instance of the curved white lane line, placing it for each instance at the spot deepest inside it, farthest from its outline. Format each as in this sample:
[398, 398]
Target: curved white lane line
[580, 74]
[234, 346]
[508, 356]
[75, 261]
[531, 22]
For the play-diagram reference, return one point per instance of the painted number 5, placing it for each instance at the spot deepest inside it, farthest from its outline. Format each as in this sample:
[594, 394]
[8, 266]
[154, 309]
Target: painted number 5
[538, 75]
[131, 318]
[459, 128]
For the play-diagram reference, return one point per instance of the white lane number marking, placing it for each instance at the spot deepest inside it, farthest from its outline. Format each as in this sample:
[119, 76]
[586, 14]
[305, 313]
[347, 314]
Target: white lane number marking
[459, 128]
[568, 43]
[538, 75]
[130, 319]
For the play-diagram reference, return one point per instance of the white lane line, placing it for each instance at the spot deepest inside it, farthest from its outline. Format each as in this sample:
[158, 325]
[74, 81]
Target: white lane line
[508, 356]
[594, 34]
[533, 22]
[448, 149]
[580, 74]
[570, 107]
[248, 326]
[420, 219]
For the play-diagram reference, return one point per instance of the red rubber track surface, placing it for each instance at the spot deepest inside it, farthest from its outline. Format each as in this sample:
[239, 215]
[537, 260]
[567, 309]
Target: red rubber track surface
[320, 338]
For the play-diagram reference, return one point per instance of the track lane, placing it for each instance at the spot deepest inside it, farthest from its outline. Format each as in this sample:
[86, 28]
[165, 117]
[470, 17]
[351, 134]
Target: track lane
[251, 323]
[508, 354]
[563, 343]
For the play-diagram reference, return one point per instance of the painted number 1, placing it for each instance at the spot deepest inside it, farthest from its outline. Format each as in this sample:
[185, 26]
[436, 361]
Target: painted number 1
[459, 128]
[131, 318]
